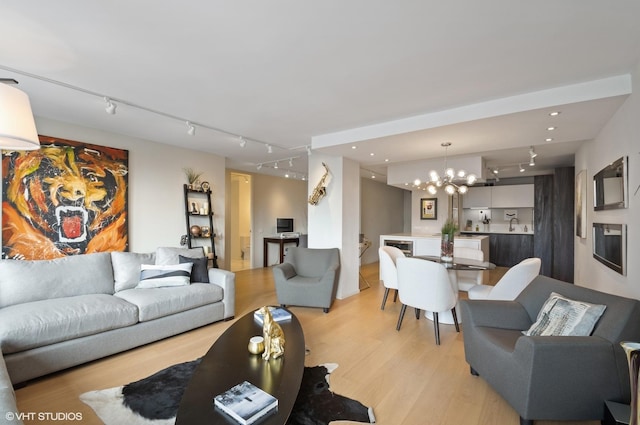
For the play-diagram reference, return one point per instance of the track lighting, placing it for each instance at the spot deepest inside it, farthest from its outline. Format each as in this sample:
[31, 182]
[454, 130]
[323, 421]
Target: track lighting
[259, 166]
[191, 129]
[269, 149]
[111, 107]
[290, 162]
[521, 169]
[532, 153]
[275, 165]
[532, 162]
[243, 142]
[308, 150]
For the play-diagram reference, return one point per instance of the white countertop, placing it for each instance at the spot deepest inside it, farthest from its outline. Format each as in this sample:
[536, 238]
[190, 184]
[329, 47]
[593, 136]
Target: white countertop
[480, 235]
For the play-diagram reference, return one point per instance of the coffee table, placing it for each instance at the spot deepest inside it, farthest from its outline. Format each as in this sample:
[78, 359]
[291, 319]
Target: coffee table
[228, 362]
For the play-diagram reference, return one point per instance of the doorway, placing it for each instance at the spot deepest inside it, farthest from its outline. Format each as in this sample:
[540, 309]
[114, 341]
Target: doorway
[241, 249]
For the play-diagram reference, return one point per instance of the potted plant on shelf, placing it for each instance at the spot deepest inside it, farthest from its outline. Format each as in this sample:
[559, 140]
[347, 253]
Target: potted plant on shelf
[192, 177]
[449, 229]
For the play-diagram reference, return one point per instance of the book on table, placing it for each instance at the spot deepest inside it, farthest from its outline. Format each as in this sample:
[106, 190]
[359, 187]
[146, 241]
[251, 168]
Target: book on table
[277, 313]
[246, 403]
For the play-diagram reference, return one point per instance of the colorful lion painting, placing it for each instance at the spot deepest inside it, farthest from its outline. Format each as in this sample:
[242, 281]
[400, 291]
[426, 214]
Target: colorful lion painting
[66, 198]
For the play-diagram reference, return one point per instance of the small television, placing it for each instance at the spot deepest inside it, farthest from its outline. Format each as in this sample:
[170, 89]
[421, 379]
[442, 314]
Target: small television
[284, 225]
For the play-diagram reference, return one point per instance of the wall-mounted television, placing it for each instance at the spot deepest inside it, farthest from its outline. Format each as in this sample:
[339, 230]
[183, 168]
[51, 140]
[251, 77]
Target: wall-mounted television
[610, 245]
[284, 225]
[610, 186]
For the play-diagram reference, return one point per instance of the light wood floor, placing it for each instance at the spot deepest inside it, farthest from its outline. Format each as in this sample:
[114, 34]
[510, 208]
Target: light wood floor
[404, 376]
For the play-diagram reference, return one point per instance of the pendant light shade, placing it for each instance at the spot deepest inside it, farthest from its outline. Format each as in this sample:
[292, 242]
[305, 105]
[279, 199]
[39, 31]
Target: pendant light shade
[17, 126]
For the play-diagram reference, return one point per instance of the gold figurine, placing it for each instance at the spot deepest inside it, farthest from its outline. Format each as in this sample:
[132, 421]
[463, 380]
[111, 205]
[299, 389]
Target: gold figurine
[273, 336]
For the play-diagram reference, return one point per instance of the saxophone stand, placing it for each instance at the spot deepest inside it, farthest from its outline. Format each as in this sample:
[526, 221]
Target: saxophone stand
[363, 283]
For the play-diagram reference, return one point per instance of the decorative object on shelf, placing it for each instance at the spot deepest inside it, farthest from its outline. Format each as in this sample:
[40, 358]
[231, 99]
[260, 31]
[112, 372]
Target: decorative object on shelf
[256, 345]
[183, 240]
[632, 350]
[428, 209]
[192, 176]
[273, 335]
[195, 230]
[205, 232]
[452, 181]
[446, 244]
[205, 186]
[320, 190]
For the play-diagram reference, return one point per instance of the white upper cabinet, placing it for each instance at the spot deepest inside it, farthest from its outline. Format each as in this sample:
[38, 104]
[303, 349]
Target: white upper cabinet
[477, 197]
[514, 196]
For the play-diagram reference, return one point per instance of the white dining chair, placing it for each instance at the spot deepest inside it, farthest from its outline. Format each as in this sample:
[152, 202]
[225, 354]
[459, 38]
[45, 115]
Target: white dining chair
[511, 284]
[468, 278]
[425, 285]
[388, 271]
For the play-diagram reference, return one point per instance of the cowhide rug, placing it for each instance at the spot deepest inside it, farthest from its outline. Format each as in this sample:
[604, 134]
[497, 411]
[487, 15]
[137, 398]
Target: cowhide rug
[154, 400]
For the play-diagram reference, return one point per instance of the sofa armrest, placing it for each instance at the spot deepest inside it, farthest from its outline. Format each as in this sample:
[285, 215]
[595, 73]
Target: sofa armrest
[495, 314]
[227, 281]
[284, 271]
[8, 406]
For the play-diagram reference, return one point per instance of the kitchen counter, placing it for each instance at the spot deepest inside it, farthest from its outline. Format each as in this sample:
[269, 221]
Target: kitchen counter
[472, 233]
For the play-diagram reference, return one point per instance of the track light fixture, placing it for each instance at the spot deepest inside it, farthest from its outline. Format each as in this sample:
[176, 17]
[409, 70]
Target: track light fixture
[243, 142]
[308, 150]
[532, 153]
[275, 165]
[532, 161]
[269, 148]
[259, 166]
[111, 106]
[521, 168]
[290, 162]
[191, 129]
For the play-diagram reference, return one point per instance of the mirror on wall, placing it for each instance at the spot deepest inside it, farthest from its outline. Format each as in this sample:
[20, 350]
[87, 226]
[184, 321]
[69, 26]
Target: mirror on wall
[610, 245]
[610, 186]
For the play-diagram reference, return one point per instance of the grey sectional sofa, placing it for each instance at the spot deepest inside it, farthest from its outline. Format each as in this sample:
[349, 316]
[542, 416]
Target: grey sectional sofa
[59, 313]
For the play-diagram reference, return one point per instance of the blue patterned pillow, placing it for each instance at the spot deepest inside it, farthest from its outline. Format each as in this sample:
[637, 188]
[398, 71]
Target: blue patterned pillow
[157, 276]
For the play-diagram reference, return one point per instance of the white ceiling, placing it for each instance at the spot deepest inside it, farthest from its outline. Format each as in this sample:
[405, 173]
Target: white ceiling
[392, 78]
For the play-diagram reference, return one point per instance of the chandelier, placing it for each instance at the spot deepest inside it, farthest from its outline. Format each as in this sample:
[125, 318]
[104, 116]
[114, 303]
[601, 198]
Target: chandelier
[452, 181]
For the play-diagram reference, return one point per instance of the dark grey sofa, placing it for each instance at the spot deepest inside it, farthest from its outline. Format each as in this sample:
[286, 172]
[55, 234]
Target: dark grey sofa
[551, 377]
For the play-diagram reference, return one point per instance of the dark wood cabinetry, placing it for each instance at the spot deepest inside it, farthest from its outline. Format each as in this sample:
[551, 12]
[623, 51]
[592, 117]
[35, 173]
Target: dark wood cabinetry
[199, 220]
[508, 250]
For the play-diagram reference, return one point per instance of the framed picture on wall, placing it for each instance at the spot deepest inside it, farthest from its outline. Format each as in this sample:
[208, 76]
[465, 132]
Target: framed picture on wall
[429, 209]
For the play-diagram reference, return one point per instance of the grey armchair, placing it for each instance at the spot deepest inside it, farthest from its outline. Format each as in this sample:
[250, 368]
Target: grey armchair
[308, 277]
[551, 377]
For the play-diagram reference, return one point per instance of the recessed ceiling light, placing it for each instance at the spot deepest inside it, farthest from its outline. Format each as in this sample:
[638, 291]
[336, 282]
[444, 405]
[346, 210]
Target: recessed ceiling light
[548, 139]
[554, 113]
[386, 160]
[371, 154]
[551, 128]
[354, 147]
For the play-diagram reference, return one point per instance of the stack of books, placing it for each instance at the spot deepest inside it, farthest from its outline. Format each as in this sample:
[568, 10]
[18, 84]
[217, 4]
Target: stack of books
[246, 403]
[278, 314]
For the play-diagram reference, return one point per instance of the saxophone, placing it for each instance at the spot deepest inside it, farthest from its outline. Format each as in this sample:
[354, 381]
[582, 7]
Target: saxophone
[320, 190]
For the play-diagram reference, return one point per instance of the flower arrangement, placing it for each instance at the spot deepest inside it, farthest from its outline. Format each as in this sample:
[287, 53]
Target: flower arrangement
[192, 175]
[450, 228]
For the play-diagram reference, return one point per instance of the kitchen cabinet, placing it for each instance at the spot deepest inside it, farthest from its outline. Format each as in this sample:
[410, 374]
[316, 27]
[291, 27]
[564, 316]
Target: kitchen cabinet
[477, 197]
[514, 196]
[508, 250]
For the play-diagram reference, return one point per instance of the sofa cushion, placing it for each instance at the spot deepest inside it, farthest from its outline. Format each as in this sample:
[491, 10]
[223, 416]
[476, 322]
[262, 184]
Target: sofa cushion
[34, 280]
[126, 268]
[40, 323]
[154, 276]
[561, 316]
[170, 255]
[159, 302]
[199, 271]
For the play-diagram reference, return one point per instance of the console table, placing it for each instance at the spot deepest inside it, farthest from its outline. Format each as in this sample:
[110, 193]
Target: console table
[281, 242]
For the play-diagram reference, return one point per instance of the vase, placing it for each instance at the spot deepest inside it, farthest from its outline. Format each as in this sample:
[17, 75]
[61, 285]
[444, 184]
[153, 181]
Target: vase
[446, 247]
[632, 350]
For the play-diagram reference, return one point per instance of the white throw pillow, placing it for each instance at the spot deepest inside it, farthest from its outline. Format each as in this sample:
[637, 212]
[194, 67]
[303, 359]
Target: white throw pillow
[157, 276]
[561, 316]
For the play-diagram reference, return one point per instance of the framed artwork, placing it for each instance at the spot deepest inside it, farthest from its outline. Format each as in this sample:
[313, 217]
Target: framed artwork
[581, 204]
[66, 198]
[429, 209]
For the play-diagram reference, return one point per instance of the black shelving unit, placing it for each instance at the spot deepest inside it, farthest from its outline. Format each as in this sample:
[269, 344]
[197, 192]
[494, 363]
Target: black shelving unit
[196, 214]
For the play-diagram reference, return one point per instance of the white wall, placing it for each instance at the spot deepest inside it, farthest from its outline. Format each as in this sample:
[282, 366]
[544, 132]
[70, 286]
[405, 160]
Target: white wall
[156, 201]
[620, 137]
[428, 227]
[274, 197]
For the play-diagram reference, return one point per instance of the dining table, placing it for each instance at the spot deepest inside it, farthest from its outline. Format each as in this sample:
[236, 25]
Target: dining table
[453, 266]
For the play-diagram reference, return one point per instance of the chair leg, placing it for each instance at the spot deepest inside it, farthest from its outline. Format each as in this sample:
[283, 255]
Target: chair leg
[455, 319]
[436, 327]
[326, 310]
[402, 310]
[395, 295]
[473, 371]
[384, 298]
[417, 314]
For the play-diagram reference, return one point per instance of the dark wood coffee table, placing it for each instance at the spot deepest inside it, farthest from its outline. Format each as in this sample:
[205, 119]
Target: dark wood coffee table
[228, 362]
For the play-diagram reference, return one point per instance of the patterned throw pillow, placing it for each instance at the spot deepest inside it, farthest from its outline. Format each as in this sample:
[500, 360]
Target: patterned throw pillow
[561, 316]
[157, 276]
